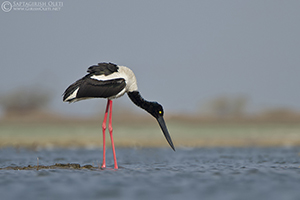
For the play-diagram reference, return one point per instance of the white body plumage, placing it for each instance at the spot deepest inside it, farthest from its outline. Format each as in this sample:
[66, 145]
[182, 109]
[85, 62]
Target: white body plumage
[123, 72]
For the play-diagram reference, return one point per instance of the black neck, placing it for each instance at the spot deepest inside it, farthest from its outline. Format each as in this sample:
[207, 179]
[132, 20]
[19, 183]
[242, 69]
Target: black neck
[138, 100]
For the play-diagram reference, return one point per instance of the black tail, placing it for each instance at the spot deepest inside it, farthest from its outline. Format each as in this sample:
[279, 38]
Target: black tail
[69, 91]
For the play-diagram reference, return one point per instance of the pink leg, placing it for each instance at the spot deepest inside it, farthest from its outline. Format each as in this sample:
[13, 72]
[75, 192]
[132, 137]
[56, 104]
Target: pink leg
[111, 135]
[103, 130]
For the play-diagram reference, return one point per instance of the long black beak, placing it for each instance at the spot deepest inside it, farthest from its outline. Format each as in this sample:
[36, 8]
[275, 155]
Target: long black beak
[164, 129]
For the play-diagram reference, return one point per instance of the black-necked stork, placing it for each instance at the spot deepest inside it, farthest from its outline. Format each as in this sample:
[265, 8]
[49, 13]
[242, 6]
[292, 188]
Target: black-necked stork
[107, 80]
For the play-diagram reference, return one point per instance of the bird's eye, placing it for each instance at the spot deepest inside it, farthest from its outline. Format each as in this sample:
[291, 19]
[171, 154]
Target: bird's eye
[160, 112]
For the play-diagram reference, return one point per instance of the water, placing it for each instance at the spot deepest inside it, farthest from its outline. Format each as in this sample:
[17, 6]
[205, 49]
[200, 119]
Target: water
[155, 173]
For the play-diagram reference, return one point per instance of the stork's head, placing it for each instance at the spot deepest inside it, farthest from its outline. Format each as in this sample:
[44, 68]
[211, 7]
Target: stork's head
[157, 111]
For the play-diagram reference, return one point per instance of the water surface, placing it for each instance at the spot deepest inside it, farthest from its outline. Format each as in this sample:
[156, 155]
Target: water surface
[154, 173]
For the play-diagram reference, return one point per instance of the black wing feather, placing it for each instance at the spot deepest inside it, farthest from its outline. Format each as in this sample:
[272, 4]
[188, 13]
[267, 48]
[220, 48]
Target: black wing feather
[103, 68]
[101, 89]
[92, 88]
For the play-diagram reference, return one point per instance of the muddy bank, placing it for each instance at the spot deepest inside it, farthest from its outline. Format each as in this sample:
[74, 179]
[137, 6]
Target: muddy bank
[55, 166]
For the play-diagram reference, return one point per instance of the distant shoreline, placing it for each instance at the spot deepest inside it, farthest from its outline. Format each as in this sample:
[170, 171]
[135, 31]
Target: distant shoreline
[147, 134]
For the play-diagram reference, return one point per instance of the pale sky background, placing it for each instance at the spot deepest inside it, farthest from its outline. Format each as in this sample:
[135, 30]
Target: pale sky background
[182, 52]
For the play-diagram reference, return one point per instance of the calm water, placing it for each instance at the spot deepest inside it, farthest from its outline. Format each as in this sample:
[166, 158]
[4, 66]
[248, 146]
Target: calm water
[196, 173]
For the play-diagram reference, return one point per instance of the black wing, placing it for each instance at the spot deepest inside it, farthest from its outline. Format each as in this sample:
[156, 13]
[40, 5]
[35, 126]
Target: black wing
[103, 68]
[92, 88]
